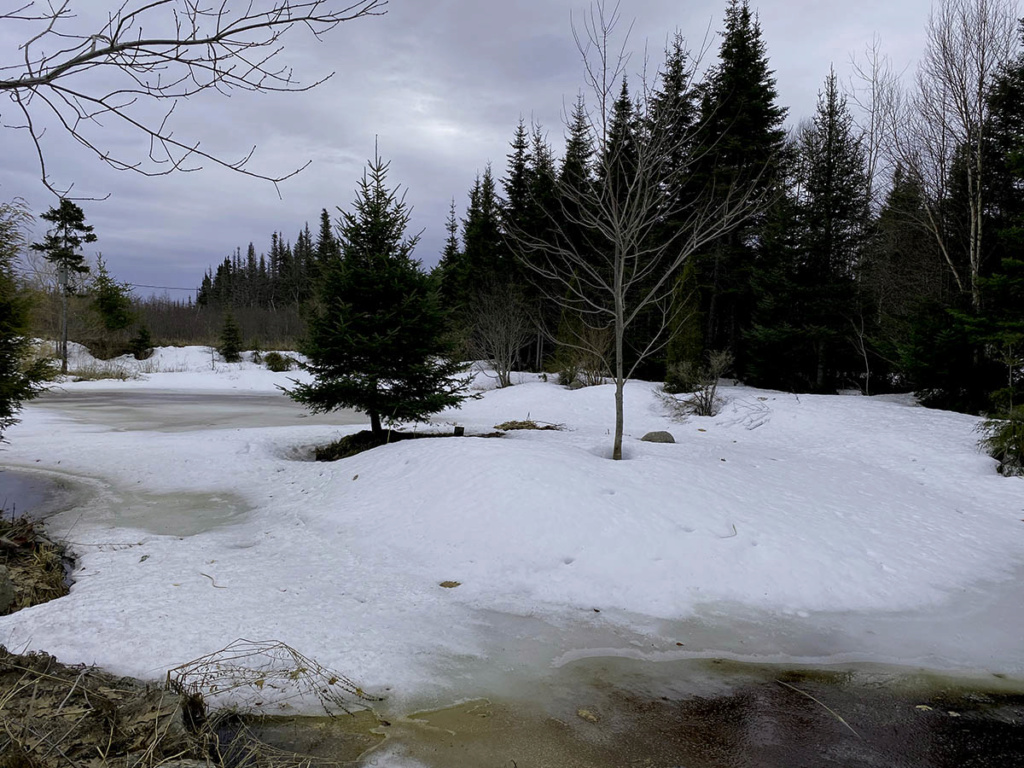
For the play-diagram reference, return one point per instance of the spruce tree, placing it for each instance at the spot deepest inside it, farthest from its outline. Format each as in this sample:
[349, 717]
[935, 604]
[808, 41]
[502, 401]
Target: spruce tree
[517, 184]
[141, 344]
[230, 340]
[111, 300]
[451, 275]
[804, 288]
[483, 246]
[376, 342]
[62, 246]
[741, 143]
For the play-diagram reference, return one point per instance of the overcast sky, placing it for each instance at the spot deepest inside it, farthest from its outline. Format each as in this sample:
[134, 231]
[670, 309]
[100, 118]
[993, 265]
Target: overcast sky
[441, 85]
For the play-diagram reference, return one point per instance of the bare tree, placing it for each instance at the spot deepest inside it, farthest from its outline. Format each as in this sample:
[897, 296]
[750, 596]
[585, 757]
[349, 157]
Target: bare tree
[938, 132]
[622, 266]
[873, 88]
[501, 328]
[155, 51]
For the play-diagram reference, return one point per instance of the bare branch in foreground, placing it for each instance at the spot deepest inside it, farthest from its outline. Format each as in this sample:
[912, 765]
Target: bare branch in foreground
[151, 52]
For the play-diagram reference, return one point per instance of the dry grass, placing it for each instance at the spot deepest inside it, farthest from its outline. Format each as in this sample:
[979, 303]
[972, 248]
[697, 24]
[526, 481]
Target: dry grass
[56, 716]
[102, 370]
[509, 426]
[35, 564]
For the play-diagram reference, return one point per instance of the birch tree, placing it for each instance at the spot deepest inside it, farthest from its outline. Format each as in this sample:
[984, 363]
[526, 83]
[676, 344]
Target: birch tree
[937, 134]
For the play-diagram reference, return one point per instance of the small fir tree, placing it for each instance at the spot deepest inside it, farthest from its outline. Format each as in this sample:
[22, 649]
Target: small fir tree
[111, 301]
[141, 344]
[377, 340]
[230, 340]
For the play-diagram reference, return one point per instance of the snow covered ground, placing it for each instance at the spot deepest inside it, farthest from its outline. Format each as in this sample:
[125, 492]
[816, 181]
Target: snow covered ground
[798, 529]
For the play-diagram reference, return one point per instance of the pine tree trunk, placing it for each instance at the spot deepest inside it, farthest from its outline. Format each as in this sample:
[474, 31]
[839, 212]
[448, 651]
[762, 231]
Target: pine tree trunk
[375, 424]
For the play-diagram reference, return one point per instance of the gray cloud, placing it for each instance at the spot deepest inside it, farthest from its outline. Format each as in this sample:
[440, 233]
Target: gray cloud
[439, 85]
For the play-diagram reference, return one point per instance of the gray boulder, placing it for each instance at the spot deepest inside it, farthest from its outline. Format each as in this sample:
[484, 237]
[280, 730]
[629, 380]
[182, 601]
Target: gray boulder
[658, 437]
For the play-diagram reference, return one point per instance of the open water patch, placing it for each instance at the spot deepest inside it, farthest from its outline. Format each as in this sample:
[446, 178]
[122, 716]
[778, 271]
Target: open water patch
[36, 494]
[179, 513]
[714, 713]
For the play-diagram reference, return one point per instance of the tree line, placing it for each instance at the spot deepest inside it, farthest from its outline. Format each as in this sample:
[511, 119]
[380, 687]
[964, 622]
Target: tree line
[876, 246]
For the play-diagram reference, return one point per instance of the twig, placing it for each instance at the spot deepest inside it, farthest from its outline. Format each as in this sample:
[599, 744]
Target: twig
[732, 535]
[831, 711]
[215, 584]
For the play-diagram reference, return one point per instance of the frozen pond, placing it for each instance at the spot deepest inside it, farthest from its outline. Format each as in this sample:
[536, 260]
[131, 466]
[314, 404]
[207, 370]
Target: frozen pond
[510, 688]
[175, 411]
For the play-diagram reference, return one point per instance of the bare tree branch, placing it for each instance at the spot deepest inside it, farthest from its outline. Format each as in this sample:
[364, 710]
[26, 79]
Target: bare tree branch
[608, 254]
[939, 131]
[148, 52]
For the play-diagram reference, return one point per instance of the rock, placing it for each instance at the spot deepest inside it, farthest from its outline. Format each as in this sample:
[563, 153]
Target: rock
[6, 589]
[576, 385]
[658, 437]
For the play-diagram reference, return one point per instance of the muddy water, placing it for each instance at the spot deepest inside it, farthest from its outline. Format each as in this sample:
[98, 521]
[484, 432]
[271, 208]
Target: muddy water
[614, 713]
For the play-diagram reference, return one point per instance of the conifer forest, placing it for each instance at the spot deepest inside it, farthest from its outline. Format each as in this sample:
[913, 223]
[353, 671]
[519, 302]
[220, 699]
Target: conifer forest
[688, 220]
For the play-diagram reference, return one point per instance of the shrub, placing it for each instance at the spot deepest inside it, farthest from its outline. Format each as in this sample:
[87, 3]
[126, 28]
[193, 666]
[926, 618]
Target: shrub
[701, 383]
[257, 351]
[1003, 440]
[277, 362]
[141, 344]
[98, 371]
[568, 374]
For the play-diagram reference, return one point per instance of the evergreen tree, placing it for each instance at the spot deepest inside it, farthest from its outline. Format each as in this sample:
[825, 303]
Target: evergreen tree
[111, 300]
[902, 270]
[741, 143]
[62, 246]
[483, 246]
[141, 344]
[616, 171]
[573, 185]
[63, 242]
[674, 110]
[20, 378]
[230, 340]
[964, 353]
[576, 169]
[450, 273]
[517, 185]
[816, 288]
[303, 256]
[377, 340]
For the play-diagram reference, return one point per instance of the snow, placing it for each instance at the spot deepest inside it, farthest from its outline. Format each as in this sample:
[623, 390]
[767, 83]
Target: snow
[784, 529]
